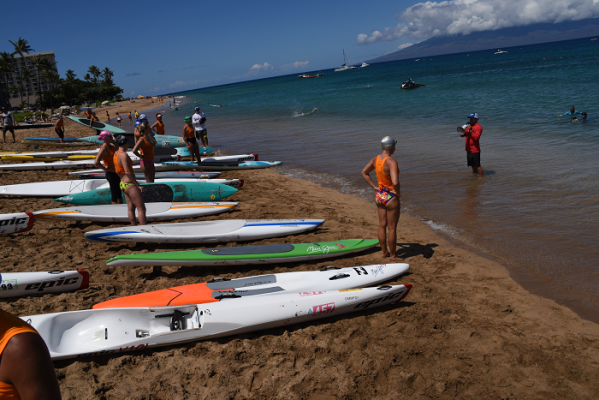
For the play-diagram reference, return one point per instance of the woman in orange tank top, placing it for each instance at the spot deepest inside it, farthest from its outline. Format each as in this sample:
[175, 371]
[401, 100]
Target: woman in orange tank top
[26, 371]
[144, 149]
[387, 195]
[190, 140]
[158, 126]
[129, 185]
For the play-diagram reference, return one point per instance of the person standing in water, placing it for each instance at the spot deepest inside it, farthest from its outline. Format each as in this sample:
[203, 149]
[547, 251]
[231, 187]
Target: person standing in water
[387, 195]
[472, 133]
[129, 185]
[199, 119]
[118, 119]
[106, 154]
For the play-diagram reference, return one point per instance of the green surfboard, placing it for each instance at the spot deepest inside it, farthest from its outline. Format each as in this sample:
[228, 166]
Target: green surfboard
[97, 125]
[157, 193]
[246, 255]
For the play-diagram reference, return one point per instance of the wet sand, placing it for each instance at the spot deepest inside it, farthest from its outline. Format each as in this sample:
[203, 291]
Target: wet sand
[466, 330]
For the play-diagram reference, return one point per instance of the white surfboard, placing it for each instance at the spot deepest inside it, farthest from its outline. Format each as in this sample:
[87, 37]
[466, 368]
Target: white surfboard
[53, 165]
[123, 330]
[159, 175]
[15, 223]
[232, 230]
[17, 284]
[118, 212]
[64, 188]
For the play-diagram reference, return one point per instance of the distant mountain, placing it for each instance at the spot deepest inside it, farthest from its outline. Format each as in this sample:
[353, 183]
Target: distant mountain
[507, 37]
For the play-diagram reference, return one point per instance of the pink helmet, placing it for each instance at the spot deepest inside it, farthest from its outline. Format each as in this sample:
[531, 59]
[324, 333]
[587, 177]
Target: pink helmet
[103, 135]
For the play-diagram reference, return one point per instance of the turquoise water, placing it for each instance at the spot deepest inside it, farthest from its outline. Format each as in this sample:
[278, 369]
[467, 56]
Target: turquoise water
[536, 209]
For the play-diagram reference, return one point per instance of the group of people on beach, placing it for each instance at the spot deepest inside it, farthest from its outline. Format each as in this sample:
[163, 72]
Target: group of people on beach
[388, 192]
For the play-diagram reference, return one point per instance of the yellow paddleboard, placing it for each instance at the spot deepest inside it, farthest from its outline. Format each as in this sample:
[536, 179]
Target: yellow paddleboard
[43, 159]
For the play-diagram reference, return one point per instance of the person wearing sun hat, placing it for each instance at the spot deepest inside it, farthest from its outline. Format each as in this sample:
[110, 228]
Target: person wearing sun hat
[190, 139]
[472, 133]
[105, 161]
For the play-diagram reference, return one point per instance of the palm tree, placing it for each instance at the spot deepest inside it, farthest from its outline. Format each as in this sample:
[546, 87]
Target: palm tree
[53, 78]
[95, 73]
[40, 63]
[70, 77]
[25, 77]
[6, 67]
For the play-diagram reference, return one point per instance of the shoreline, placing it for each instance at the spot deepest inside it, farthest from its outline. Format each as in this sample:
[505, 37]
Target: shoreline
[467, 329]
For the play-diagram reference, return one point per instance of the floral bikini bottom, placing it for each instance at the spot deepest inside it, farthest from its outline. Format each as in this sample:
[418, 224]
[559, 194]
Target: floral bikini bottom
[384, 196]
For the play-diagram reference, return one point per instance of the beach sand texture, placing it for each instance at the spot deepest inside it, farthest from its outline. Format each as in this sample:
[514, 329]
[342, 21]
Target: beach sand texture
[466, 330]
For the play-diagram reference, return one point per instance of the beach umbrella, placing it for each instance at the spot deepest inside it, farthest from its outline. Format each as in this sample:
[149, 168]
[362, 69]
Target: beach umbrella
[64, 107]
[140, 97]
[105, 102]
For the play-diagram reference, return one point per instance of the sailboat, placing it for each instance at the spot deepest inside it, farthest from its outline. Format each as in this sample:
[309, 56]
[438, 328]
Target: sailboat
[344, 66]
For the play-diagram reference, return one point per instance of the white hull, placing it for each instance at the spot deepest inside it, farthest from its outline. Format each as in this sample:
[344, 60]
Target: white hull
[118, 212]
[27, 166]
[64, 188]
[16, 284]
[232, 230]
[118, 330]
[15, 223]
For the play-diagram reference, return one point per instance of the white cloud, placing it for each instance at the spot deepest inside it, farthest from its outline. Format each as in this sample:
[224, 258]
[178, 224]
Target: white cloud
[298, 65]
[261, 68]
[424, 20]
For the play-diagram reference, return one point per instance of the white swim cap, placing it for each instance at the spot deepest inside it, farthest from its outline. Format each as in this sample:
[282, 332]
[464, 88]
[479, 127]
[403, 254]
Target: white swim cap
[388, 142]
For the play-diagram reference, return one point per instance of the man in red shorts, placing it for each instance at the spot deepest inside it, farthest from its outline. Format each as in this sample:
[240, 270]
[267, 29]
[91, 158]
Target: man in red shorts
[472, 134]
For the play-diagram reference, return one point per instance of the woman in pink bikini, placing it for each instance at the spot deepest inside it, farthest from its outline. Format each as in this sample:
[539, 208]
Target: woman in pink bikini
[387, 195]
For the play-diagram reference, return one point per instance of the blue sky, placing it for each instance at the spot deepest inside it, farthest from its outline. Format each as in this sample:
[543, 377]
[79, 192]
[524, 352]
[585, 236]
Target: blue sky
[161, 47]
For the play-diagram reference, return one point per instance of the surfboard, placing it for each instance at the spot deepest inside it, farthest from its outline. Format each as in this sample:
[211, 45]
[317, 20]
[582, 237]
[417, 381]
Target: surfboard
[17, 284]
[230, 166]
[159, 175]
[247, 255]
[308, 282]
[232, 230]
[15, 223]
[157, 193]
[118, 212]
[97, 125]
[47, 159]
[66, 164]
[159, 167]
[55, 144]
[65, 188]
[107, 331]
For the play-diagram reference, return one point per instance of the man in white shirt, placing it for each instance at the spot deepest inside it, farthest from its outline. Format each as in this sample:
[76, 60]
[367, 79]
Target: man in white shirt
[8, 122]
[198, 121]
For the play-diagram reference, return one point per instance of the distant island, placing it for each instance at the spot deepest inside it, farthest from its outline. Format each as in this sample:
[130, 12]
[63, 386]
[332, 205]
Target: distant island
[507, 37]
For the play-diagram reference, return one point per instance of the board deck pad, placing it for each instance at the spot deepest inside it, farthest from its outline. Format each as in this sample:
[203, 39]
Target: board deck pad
[157, 193]
[246, 250]
[97, 125]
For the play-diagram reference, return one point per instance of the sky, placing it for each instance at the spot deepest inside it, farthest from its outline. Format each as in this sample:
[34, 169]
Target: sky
[158, 47]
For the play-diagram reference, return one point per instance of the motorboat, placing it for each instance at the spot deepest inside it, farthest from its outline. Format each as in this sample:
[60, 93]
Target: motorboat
[310, 76]
[344, 66]
[500, 51]
[364, 65]
[410, 84]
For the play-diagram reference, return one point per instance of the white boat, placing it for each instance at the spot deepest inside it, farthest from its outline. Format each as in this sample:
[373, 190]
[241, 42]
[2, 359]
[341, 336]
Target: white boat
[364, 65]
[65, 188]
[232, 230]
[500, 51]
[15, 223]
[344, 66]
[119, 213]
[17, 284]
[123, 330]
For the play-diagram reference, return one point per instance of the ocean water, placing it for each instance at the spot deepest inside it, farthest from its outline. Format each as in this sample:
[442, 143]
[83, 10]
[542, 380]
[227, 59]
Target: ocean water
[536, 209]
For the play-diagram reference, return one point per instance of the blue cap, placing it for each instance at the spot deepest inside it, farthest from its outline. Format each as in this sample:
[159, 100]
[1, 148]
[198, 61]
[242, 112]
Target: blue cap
[137, 123]
[473, 115]
[197, 108]
[142, 116]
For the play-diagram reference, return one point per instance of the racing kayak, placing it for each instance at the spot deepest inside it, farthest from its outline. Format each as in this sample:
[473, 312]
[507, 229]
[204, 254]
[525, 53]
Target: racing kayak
[97, 125]
[118, 212]
[16, 284]
[122, 330]
[307, 282]
[178, 191]
[15, 223]
[247, 255]
[232, 230]
[159, 175]
[75, 164]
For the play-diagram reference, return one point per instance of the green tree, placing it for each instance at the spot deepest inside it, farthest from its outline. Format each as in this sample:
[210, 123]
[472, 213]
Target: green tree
[6, 67]
[41, 64]
[21, 47]
[70, 79]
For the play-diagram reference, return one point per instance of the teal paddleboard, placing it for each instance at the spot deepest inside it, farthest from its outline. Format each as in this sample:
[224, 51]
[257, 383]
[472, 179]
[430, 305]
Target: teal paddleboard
[246, 255]
[157, 193]
[97, 125]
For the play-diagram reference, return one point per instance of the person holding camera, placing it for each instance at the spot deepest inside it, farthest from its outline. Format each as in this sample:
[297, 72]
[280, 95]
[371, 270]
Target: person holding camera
[198, 120]
[472, 132]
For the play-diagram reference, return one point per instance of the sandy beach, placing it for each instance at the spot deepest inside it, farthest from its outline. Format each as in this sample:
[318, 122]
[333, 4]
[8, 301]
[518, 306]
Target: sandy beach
[466, 330]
